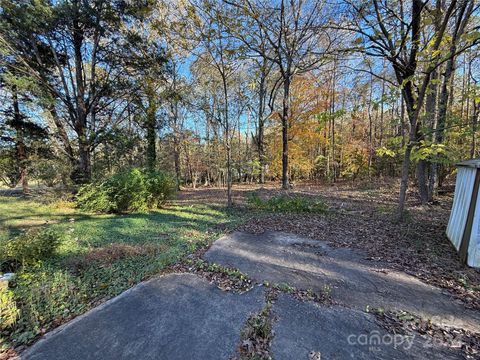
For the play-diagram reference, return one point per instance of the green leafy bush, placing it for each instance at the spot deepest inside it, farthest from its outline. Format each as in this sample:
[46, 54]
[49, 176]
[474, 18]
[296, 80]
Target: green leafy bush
[8, 309]
[286, 203]
[132, 190]
[29, 248]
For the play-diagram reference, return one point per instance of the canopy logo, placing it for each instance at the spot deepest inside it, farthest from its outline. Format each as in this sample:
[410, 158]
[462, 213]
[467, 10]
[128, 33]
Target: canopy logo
[374, 340]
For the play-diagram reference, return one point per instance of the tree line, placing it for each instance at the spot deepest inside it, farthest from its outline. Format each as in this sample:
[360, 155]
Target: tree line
[230, 91]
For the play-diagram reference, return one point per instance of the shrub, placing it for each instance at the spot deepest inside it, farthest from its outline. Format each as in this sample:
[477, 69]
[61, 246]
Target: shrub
[8, 309]
[286, 203]
[132, 190]
[160, 187]
[29, 248]
[95, 198]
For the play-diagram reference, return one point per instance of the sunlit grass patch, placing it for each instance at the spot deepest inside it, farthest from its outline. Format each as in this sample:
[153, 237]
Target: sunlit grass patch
[99, 257]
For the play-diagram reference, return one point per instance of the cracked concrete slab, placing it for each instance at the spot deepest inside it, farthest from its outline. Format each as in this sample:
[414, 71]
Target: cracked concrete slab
[354, 282]
[307, 329]
[177, 316]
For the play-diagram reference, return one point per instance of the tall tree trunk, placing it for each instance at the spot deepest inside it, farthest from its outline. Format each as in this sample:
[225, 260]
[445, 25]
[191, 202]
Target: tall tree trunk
[402, 120]
[176, 160]
[413, 108]
[21, 151]
[476, 111]
[229, 173]
[460, 24]
[151, 127]
[334, 81]
[285, 125]
[208, 177]
[431, 113]
[382, 111]
[83, 172]
[228, 139]
[62, 134]
[370, 127]
[404, 179]
[260, 127]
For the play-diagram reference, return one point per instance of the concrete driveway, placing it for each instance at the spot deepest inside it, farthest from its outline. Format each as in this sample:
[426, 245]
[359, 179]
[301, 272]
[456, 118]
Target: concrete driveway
[183, 316]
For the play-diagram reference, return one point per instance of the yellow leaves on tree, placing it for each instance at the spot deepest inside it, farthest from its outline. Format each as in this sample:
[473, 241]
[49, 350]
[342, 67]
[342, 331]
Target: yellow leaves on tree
[308, 100]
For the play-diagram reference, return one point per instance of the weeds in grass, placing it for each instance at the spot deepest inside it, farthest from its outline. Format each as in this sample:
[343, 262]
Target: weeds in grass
[213, 267]
[287, 203]
[327, 290]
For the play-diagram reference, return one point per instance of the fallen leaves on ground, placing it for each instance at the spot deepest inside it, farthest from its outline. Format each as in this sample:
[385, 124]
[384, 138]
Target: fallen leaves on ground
[401, 322]
[227, 279]
[364, 220]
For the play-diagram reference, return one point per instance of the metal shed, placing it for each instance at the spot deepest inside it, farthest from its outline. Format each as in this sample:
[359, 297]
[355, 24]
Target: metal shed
[463, 228]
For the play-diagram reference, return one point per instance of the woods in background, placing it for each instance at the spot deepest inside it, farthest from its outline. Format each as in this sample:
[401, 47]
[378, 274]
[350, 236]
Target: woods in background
[218, 92]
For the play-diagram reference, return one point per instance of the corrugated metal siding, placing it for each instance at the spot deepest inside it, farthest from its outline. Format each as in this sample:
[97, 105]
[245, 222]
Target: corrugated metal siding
[474, 246]
[461, 203]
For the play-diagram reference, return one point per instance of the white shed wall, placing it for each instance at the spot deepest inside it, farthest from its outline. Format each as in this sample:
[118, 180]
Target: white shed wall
[474, 246]
[461, 204]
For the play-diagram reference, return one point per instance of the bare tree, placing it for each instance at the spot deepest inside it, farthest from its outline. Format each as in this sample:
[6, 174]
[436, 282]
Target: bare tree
[462, 17]
[295, 32]
[217, 50]
[396, 32]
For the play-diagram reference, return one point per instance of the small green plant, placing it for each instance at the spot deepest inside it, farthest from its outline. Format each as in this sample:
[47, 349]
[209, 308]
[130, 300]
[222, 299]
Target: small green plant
[327, 290]
[216, 268]
[284, 287]
[258, 333]
[8, 309]
[29, 248]
[405, 316]
[127, 191]
[379, 311]
[287, 203]
[261, 326]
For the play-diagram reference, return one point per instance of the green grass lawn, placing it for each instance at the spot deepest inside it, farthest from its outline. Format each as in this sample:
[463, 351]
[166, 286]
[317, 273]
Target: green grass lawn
[102, 256]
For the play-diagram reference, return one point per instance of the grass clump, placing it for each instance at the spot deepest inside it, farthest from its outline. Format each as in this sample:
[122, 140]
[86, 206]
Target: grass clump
[127, 191]
[288, 203]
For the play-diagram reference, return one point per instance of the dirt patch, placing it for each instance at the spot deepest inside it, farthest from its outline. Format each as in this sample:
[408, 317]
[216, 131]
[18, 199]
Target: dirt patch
[106, 255]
